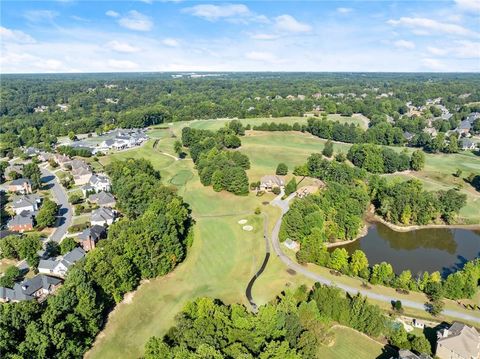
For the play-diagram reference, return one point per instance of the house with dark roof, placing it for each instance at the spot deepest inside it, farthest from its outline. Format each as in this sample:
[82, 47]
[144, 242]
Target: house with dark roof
[37, 287]
[467, 144]
[20, 185]
[59, 266]
[102, 216]
[464, 127]
[21, 222]
[90, 237]
[103, 199]
[459, 341]
[408, 136]
[407, 354]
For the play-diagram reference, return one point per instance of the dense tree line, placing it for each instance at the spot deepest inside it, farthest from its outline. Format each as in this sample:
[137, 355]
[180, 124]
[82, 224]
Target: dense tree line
[293, 326]
[408, 203]
[102, 101]
[334, 214]
[457, 285]
[378, 159]
[21, 247]
[218, 166]
[149, 242]
[74, 151]
[404, 202]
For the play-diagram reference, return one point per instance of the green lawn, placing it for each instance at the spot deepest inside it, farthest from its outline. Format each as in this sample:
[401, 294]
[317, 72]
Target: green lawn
[352, 344]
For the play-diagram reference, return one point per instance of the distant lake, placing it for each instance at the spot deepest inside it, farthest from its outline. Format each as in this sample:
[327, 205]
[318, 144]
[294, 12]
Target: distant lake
[431, 249]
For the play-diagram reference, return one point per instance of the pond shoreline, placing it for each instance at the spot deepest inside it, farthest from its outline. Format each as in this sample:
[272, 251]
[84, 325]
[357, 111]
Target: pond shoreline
[371, 219]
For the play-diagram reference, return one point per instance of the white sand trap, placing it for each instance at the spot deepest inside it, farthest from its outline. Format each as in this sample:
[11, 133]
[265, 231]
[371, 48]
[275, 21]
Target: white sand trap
[247, 228]
[242, 221]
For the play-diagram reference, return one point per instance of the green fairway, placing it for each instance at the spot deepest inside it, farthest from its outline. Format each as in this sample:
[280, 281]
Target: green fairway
[352, 344]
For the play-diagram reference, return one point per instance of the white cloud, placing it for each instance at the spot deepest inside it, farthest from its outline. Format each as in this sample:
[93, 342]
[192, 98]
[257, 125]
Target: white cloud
[404, 44]
[122, 64]
[123, 47]
[437, 51]
[433, 64]
[462, 49]
[16, 36]
[468, 49]
[135, 20]
[112, 13]
[290, 24]
[215, 12]
[261, 56]
[53, 65]
[468, 4]
[263, 36]
[344, 10]
[40, 15]
[424, 26]
[170, 42]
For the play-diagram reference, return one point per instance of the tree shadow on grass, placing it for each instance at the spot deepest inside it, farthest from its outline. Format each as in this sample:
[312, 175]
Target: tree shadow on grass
[387, 353]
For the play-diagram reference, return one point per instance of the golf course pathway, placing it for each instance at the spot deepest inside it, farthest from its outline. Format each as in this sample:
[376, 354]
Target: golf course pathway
[283, 204]
[248, 291]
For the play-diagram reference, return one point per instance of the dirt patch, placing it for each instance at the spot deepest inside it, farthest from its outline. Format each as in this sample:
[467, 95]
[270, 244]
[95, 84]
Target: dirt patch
[128, 298]
[247, 228]
[291, 271]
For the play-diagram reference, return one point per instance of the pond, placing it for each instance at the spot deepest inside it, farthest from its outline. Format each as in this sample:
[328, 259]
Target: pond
[431, 249]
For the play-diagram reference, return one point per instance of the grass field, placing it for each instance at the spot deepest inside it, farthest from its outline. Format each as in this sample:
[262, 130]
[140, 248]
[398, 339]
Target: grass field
[352, 344]
[5, 263]
[223, 256]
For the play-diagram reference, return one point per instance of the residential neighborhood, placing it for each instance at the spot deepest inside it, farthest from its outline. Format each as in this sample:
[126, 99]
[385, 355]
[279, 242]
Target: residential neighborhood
[25, 203]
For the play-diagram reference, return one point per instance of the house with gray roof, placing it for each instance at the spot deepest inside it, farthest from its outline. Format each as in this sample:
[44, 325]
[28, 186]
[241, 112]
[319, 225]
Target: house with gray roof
[407, 354]
[59, 266]
[459, 341]
[464, 127]
[408, 136]
[102, 216]
[467, 144]
[28, 203]
[103, 199]
[268, 183]
[100, 183]
[21, 222]
[37, 287]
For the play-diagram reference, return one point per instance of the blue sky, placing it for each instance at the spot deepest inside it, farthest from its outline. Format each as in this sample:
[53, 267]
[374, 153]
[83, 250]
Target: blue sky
[149, 35]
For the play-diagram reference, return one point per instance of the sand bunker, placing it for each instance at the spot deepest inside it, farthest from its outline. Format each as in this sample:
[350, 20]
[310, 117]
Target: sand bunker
[247, 228]
[242, 221]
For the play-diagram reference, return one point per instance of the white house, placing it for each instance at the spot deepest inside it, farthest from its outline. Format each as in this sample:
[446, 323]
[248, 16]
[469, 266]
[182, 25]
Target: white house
[100, 183]
[102, 216]
[59, 266]
[26, 203]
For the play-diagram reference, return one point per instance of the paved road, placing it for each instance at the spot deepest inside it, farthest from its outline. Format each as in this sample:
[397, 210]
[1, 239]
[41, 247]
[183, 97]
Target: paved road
[65, 211]
[248, 291]
[283, 204]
